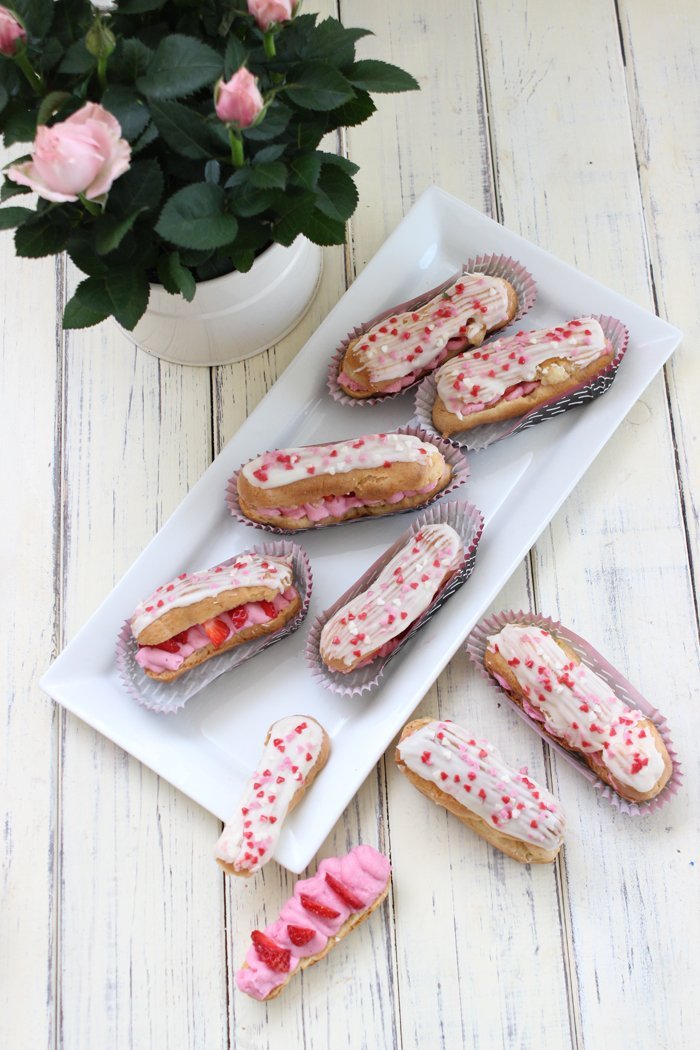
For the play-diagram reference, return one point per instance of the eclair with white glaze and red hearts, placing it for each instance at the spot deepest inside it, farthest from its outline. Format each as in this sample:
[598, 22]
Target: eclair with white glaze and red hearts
[396, 352]
[469, 778]
[323, 909]
[509, 377]
[201, 614]
[370, 626]
[295, 751]
[368, 476]
[578, 710]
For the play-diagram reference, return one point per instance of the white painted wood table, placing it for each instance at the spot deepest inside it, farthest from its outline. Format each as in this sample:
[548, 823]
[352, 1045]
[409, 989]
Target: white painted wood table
[574, 124]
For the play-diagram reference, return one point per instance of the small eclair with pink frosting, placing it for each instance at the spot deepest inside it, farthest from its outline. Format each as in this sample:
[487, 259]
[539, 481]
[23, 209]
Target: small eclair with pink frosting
[342, 894]
[296, 488]
[295, 751]
[469, 778]
[400, 350]
[579, 710]
[509, 377]
[201, 614]
[370, 626]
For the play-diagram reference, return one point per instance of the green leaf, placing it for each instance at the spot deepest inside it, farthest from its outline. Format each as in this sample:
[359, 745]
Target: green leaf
[305, 169]
[127, 289]
[269, 153]
[131, 59]
[340, 162]
[82, 253]
[318, 86]
[112, 231]
[12, 189]
[332, 42]
[89, 305]
[212, 172]
[180, 66]
[51, 54]
[234, 57]
[175, 277]
[372, 75]
[144, 140]
[130, 110]
[36, 15]
[77, 59]
[272, 125]
[46, 235]
[11, 217]
[336, 194]
[4, 98]
[294, 215]
[184, 130]
[194, 217]
[18, 123]
[356, 111]
[320, 229]
[269, 176]
[243, 260]
[137, 190]
[50, 105]
[138, 7]
[248, 200]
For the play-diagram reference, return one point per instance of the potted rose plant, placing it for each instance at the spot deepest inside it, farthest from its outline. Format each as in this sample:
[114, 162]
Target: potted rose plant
[175, 145]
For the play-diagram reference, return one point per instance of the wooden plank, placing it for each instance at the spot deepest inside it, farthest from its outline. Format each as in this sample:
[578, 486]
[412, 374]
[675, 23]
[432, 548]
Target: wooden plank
[142, 959]
[613, 565]
[30, 423]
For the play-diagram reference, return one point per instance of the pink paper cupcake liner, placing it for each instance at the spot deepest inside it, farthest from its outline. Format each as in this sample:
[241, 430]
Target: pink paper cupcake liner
[493, 265]
[487, 434]
[476, 645]
[453, 456]
[167, 697]
[468, 522]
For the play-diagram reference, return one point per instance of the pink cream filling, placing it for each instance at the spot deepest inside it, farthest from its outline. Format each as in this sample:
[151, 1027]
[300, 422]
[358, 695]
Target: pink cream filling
[510, 395]
[456, 343]
[364, 872]
[336, 506]
[151, 658]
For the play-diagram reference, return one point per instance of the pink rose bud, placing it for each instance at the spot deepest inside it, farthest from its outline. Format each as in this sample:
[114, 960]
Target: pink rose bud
[238, 101]
[83, 154]
[269, 12]
[11, 30]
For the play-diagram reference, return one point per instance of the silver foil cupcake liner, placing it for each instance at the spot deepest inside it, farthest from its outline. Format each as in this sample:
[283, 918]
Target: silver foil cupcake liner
[167, 697]
[453, 456]
[493, 265]
[487, 434]
[476, 645]
[468, 522]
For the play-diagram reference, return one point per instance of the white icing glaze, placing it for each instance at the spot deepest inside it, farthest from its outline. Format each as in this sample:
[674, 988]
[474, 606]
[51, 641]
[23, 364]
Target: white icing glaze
[289, 465]
[577, 706]
[477, 378]
[469, 308]
[250, 837]
[475, 774]
[401, 593]
[248, 570]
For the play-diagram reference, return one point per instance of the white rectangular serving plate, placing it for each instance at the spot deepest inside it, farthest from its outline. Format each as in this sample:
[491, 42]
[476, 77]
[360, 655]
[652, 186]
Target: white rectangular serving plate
[209, 748]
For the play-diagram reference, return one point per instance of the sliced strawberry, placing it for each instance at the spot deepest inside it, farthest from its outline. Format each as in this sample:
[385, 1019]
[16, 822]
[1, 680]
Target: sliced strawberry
[181, 637]
[269, 609]
[316, 908]
[271, 954]
[168, 646]
[344, 893]
[217, 630]
[300, 935]
[238, 617]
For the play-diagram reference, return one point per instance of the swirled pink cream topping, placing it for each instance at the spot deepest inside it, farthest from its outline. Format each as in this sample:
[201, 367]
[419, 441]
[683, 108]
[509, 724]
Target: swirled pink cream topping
[508, 368]
[577, 706]
[248, 570]
[250, 836]
[475, 774]
[412, 342]
[400, 594]
[342, 887]
[289, 465]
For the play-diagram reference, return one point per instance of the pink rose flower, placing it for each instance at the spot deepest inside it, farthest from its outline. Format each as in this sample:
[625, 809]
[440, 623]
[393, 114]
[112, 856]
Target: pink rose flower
[238, 100]
[269, 12]
[11, 30]
[83, 154]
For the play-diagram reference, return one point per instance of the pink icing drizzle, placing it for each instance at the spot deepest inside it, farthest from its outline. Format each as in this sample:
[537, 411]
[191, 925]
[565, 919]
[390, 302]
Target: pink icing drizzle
[364, 872]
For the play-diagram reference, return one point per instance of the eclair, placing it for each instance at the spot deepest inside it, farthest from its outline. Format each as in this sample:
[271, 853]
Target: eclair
[342, 894]
[201, 614]
[511, 376]
[295, 488]
[295, 751]
[578, 710]
[370, 626]
[469, 777]
[400, 350]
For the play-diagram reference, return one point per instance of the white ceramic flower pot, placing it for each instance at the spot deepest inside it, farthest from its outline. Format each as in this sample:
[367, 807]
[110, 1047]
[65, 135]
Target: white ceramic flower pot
[234, 316]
